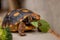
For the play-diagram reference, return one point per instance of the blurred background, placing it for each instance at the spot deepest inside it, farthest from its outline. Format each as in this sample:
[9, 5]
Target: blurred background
[48, 9]
[11, 4]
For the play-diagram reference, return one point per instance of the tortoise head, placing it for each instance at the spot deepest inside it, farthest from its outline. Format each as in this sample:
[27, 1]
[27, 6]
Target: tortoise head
[35, 17]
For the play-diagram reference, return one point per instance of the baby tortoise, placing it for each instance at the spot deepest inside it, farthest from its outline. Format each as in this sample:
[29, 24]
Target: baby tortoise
[19, 20]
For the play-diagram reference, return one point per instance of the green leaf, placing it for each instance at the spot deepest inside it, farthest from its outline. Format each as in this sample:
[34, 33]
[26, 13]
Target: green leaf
[5, 34]
[34, 23]
[44, 26]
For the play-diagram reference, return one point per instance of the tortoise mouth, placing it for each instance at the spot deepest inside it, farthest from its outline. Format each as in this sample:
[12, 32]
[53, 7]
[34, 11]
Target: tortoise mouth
[28, 21]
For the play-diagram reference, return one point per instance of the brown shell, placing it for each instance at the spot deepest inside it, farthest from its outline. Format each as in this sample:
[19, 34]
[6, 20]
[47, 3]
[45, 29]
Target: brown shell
[16, 16]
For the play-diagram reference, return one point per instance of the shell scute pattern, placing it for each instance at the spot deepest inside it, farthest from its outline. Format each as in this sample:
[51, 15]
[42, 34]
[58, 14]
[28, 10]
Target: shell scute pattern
[17, 15]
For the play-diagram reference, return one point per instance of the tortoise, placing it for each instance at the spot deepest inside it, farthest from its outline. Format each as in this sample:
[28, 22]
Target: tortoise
[19, 20]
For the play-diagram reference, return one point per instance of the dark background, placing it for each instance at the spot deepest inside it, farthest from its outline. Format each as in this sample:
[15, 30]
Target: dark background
[16, 3]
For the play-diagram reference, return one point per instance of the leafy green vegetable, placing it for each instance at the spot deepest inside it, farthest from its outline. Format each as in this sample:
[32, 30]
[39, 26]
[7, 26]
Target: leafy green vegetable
[8, 33]
[5, 34]
[35, 23]
[44, 26]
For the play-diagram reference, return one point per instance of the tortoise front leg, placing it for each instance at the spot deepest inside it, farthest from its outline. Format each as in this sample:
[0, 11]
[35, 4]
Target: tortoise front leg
[21, 29]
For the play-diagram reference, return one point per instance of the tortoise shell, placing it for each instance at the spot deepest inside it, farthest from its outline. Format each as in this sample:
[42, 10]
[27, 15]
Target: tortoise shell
[16, 16]
[19, 15]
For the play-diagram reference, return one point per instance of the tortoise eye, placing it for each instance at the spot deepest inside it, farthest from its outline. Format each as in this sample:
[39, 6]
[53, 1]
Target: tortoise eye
[16, 14]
